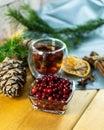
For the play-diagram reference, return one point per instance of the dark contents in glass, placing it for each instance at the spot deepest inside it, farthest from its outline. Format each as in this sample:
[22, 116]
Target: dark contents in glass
[47, 63]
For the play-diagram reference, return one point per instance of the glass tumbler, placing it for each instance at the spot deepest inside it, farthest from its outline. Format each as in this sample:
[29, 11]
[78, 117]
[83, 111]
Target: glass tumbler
[45, 56]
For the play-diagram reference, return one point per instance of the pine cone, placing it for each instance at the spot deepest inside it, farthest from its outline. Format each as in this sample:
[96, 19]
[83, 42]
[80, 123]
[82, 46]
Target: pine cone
[12, 77]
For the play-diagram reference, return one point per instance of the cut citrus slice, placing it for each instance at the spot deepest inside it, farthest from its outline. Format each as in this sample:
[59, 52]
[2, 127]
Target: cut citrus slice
[76, 66]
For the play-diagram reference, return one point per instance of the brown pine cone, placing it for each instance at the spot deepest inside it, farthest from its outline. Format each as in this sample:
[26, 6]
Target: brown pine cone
[12, 77]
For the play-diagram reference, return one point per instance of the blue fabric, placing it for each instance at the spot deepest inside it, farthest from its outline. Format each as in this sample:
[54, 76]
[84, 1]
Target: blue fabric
[69, 13]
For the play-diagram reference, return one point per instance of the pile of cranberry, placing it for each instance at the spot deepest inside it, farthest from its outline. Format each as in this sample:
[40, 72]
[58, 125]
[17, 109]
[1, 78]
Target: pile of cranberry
[52, 88]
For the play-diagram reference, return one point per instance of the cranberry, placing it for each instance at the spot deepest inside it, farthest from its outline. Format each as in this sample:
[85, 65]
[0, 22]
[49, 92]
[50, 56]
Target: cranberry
[49, 86]
[49, 79]
[52, 69]
[51, 58]
[66, 91]
[60, 93]
[55, 78]
[51, 83]
[39, 104]
[44, 85]
[52, 87]
[55, 85]
[64, 81]
[50, 98]
[60, 85]
[67, 85]
[54, 95]
[55, 89]
[44, 96]
[56, 99]
[45, 90]
[38, 95]
[34, 90]
[60, 55]
[38, 80]
[49, 91]
[44, 79]
[65, 97]
[39, 57]
[40, 89]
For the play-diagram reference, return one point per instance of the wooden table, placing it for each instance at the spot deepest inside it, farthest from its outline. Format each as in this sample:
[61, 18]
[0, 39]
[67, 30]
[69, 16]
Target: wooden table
[85, 112]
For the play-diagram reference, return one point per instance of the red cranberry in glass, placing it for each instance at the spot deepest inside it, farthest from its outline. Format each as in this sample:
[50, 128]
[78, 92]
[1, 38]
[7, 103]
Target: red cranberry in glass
[51, 98]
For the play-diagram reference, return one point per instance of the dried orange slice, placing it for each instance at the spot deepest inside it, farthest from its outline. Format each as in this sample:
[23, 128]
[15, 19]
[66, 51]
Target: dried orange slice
[76, 66]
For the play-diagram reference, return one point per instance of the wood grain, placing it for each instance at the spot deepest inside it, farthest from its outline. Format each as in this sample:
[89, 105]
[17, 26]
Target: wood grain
[93, 118]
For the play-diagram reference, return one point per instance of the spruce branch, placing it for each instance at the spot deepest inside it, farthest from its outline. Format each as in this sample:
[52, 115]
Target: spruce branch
[29, 18]
[85, 28]
[37, 27]
[12, 48]
[33, 15]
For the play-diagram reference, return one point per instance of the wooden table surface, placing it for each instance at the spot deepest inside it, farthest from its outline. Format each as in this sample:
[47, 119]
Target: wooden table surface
[85, 112]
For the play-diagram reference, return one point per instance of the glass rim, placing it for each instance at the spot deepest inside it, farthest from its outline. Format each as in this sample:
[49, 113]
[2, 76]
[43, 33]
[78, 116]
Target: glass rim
[49, 39]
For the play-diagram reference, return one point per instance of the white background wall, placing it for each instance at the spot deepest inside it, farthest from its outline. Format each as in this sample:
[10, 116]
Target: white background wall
[6, 29]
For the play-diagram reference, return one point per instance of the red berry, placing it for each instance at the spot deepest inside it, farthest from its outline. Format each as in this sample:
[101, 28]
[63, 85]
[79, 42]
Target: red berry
[51, 83]
[51, 58]
[66, 91]
[38, 80]
[40, 89]
[44, 85]
[60, 93]
[52, 87]
[50, 98]
[38, 95]
[39, 57]
[49, 86]
[65, 97]
[52, 69]
[56, 99]
[44, 96]
[44, 79]
[34, 90]
[45, 90]
[49, 91]
[60, 55]
[55, 89]
[64, 81]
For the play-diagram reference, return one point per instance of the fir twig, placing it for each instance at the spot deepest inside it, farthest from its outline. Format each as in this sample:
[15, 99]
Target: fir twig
[85, 28]
[37, 28]
[12, 48]
[29, 18]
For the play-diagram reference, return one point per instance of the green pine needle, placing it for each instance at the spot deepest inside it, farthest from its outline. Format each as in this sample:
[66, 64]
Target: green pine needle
[12, 48]
[38, 28]
[85, 28]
